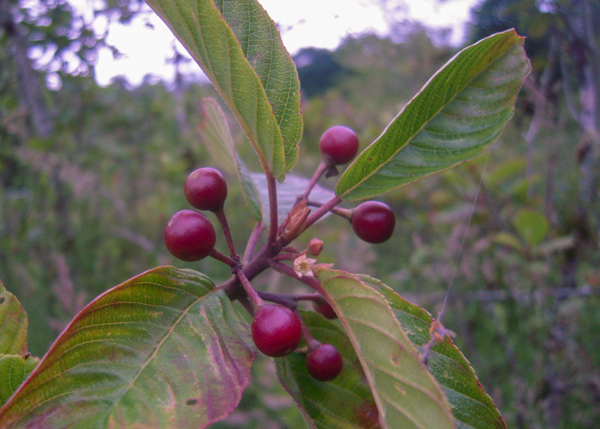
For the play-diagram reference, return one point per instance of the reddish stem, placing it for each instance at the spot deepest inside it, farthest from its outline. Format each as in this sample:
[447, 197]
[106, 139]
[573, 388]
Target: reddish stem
[322, 211]
[226, 232]
[252, 242]
[321, 169]
[223, 258]
[255, 299]
[273, 216]
[345, 213]
[311, 343]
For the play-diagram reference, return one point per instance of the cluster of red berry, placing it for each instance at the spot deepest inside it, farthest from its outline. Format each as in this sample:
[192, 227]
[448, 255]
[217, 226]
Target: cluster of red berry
[276, 329]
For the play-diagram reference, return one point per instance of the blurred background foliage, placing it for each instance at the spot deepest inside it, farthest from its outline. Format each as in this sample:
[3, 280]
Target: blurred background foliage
[89, 175]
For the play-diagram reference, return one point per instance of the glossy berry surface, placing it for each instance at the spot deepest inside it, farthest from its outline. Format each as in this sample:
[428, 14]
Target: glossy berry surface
[325, 309]
[373, 221]
[206, 189]
[339, 144]
[324, 363]
[189, 235]
[276, 330]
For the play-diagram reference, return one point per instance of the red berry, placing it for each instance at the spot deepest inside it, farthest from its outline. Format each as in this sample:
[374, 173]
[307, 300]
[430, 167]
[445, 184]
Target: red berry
[325, 363]
[373, 222]
[189, 235]
[339, 144]
[325, 309]
[276, 330]
[206, 189]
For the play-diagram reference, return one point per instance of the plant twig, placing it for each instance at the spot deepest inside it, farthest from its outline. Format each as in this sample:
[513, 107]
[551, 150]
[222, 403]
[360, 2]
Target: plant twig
[252, 242]
[273, 217]
[311, 343]
[226, 232]
[223, 258]
[321, 169]
[322, 211]
[255, 299]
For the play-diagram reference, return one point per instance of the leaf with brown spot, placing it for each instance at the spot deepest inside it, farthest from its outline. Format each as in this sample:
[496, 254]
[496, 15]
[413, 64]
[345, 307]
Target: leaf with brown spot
[137, 354]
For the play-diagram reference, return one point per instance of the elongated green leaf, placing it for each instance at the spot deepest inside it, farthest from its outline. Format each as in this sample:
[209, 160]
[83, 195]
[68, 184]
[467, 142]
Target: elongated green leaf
[344, 402]
[13, 324]
[261, 43]
[405, 392]
[164, 349]
[471, 405]
[13, 371]
[454, 118]
[265, 99]
[216, 136]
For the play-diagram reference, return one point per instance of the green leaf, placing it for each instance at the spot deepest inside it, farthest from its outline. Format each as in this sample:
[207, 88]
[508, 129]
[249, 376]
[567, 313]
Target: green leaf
[345, 401]
[216, 136]
[287, 193]
[405, 392]
[14, 369]
[164, 349]
[238, 47]
[532, 226]
[262, 46]
[13, 324]
[471, 405]
[454, 118]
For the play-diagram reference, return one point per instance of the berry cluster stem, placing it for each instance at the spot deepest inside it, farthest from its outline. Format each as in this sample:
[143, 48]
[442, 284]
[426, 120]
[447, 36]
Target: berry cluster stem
[273, 214]
[226, 232]
[321, 169]
[255, 299]
[214, 253]
[311, 343]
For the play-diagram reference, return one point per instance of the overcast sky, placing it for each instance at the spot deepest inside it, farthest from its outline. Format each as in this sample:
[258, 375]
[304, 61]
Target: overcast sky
[317, 23]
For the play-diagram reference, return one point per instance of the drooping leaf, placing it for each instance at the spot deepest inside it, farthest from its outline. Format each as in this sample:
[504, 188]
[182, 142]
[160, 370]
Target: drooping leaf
[164, 349]
[14, 369]
[454, 118]
[287, 193]
[238, 47]
[405, 392]
[13, 324]
[216, 136]
[345, 401]
[471, 405]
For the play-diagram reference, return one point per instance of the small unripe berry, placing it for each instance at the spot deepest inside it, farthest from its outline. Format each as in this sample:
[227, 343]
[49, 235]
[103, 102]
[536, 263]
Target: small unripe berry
[315, 247]
[324, 363]
[339, 144]
[206, 189]
[276, 330]
[373, 221]
[189, 235]
[324, 309]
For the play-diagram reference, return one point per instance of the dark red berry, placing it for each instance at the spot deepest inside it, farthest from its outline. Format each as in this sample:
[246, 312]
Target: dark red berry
[189, 235]
[324, 363]
[339, 144]
[276, 330]
[373, 221]
[206, 189]
[325, 309]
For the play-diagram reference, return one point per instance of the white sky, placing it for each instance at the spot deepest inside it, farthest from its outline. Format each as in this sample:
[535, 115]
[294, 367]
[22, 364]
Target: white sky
[316, 23]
